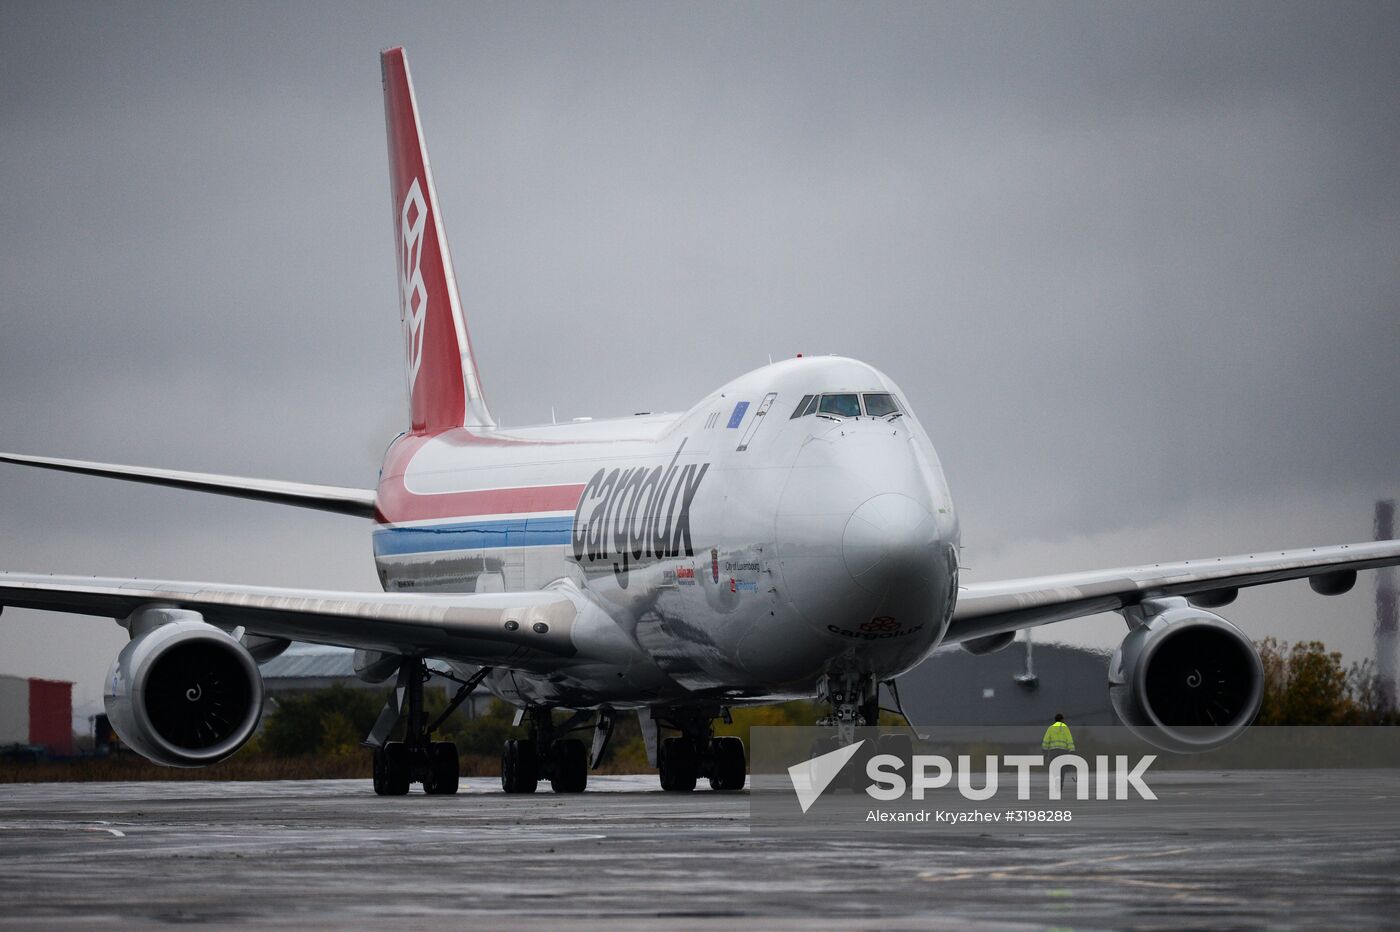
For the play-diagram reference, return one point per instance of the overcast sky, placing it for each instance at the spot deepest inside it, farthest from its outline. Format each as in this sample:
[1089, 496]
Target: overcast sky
[1136, 267]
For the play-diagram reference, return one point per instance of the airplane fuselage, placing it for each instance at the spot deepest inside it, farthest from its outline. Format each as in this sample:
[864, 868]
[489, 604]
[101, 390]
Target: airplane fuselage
[744, 548]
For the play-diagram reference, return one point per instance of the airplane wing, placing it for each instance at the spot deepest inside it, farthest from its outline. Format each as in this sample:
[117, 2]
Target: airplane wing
[520, 630]
[989, 610]
[358, 502]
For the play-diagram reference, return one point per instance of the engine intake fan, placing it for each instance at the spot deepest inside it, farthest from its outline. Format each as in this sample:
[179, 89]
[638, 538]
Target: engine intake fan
[1186, 679]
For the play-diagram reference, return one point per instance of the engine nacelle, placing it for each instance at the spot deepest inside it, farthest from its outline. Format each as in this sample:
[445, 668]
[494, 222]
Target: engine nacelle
[183, 693]
[1186, 679]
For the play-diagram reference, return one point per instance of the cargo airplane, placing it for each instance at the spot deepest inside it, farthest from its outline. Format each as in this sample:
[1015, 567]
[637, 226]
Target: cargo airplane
[790, 535]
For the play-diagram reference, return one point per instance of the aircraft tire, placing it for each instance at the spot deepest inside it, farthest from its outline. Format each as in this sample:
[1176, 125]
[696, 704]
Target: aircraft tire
[728, 768]
[391, 770]
[901, 746]
[570, 759]
[678, 765]
[381, 783]
[444, 769]
[519, 766]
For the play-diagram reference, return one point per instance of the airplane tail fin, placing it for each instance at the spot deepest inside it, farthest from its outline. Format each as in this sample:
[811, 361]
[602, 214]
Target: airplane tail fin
[443, 385]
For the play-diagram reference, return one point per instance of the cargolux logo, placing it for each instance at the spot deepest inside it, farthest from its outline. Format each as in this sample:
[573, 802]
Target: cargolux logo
[628, 516]
[413, 296]
[888, 780]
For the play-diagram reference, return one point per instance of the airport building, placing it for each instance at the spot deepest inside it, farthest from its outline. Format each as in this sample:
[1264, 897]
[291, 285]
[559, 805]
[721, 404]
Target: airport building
[34, 714]
[305, 667]
[1022, 684]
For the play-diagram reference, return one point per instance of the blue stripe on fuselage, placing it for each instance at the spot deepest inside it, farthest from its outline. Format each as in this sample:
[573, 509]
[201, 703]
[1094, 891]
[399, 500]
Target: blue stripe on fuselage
[474, 535]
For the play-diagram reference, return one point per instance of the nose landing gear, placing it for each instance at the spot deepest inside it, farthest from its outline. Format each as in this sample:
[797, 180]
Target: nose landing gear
[855, 702]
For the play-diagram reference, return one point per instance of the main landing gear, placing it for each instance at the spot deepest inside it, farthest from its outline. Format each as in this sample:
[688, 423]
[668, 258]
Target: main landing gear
[417, 758]
[547, 755]
[697, 753]
[400, 764]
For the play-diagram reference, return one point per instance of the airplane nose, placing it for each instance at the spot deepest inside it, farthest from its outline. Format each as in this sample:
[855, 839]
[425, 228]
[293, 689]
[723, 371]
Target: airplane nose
[889, 539]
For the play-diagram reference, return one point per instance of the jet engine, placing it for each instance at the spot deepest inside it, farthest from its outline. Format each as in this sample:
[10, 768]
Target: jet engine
[1185, 679]
[183, 693]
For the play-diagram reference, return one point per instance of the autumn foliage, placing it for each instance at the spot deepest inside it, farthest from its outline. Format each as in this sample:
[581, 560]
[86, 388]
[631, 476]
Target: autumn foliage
[1306, 684]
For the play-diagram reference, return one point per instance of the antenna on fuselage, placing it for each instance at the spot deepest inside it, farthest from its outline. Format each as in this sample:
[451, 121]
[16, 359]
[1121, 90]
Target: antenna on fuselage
[552, 418]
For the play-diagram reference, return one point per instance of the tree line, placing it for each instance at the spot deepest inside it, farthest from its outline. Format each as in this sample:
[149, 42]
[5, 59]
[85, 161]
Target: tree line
[1305, 684]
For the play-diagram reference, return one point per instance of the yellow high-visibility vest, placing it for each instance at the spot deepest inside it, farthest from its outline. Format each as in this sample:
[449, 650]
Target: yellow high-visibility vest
[1057, 738]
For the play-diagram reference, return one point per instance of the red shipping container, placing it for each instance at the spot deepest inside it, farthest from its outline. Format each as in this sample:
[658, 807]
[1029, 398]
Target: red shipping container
[51, 715]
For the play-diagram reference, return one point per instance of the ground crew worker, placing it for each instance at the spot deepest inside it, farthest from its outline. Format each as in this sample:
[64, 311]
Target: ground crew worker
[1058, 741]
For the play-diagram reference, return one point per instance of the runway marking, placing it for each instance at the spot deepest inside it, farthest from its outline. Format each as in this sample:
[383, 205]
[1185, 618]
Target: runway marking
[1004, 872]
[1175, 891]
[93, 826]
[512, 834]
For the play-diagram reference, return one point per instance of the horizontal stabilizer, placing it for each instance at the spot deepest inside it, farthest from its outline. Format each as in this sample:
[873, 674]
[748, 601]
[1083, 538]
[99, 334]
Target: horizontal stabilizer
[358, 502]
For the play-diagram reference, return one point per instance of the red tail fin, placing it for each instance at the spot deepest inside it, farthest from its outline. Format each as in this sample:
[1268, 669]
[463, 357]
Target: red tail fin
[443, 386]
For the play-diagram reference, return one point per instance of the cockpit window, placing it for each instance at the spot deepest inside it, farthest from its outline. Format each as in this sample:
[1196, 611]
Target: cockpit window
[847, 404]
[840, 405]
[880, 405]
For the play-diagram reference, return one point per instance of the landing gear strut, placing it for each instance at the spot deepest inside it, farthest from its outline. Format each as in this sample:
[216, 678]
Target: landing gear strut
[545, 755]
[417, 758]
[855, 702]
[697, 753]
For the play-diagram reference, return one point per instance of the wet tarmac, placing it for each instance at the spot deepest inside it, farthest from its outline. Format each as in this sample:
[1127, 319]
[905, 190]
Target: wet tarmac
[328, 854]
